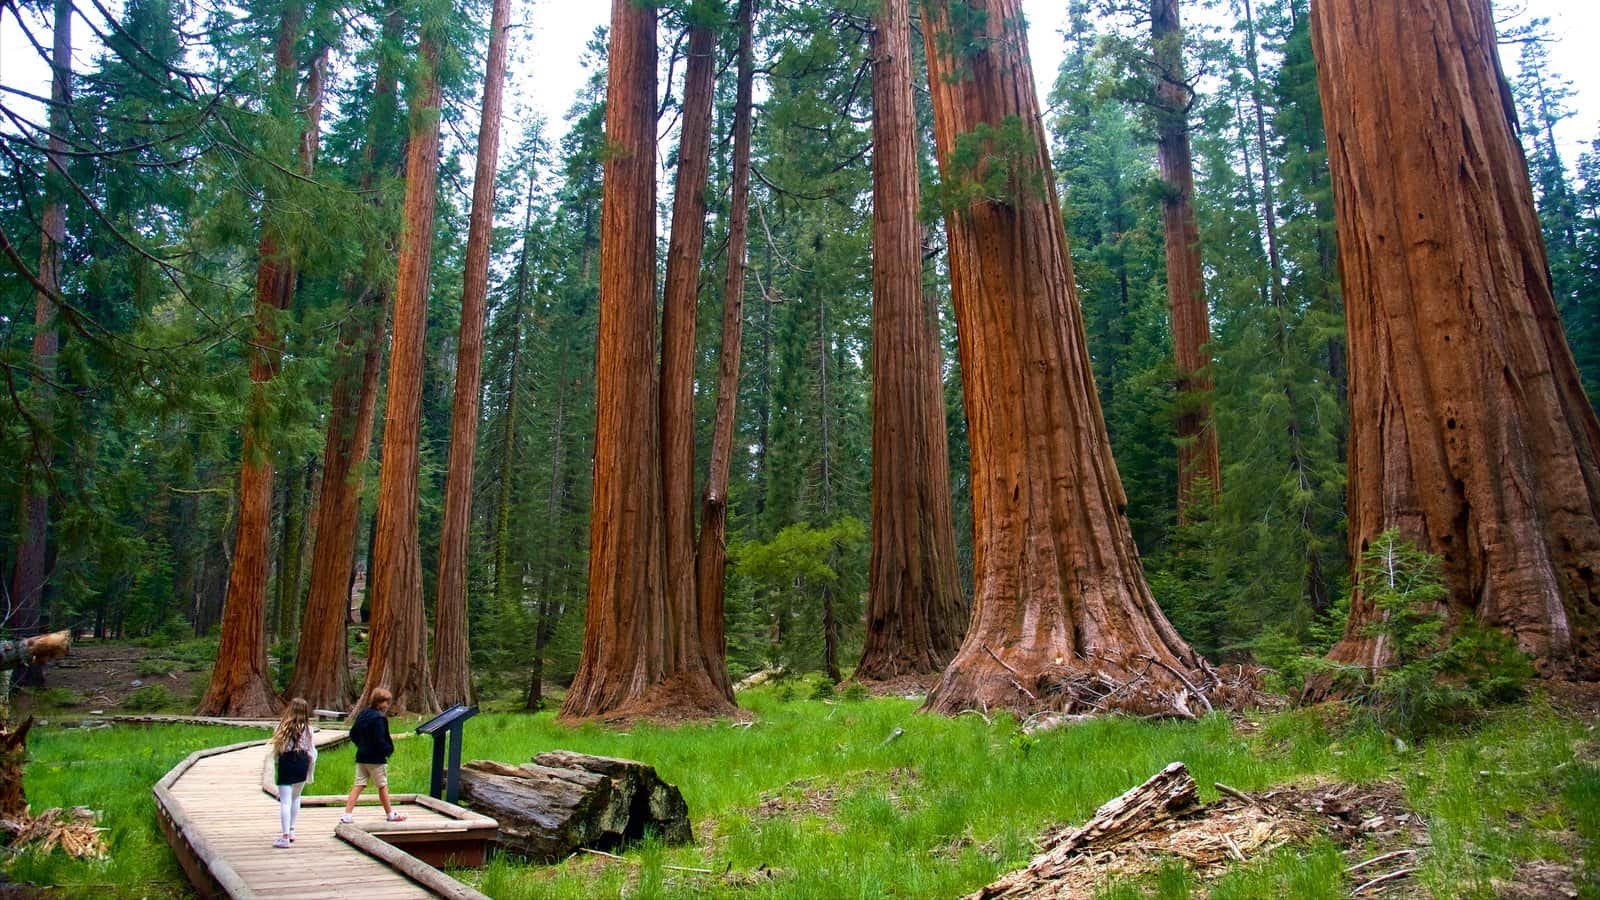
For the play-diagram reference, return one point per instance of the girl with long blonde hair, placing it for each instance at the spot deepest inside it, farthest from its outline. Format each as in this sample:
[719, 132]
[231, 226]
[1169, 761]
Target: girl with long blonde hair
[294, 745]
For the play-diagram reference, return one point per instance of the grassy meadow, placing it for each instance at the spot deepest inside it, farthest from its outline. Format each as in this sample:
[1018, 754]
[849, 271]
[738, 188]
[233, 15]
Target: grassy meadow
[816, 800]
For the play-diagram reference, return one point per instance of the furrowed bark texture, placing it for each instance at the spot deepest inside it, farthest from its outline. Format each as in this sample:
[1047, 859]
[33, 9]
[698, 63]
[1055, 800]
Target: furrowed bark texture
[626, 669]
[452, 682]
[1199, 466]
[321, 669]
[240, 684]
[1059, 590]
[28, 577]
[711, 554]
[398, 659]
[678, 349]
[1470, 431]
[914, 607]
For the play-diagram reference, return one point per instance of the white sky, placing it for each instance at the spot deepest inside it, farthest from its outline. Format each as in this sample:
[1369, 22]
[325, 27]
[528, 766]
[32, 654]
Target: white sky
[546, 73]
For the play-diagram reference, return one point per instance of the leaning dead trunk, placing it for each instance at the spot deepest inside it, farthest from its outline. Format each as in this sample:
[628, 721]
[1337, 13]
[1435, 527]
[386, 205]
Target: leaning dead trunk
[1470, 431]
[1199, 467]
[1060, 596]
[240, 684]
[711, 554]
[914, 608]
[398, 659]
[563, 801]
[451, 678]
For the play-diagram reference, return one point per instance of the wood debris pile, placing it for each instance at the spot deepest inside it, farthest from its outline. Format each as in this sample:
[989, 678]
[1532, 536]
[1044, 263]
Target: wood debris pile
[1162, 820]
[73, 831]
[1105, 681]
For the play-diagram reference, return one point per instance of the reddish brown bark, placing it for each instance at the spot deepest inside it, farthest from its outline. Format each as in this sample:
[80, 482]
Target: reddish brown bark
[1059, 591]
[398, 655]
[1199, 467]
[678, 343]
[321, 670]
[711, 553]
[241, 685]
[914, 607]
[452, 681]
[28, 577]
[629, 665]
[1470, 431]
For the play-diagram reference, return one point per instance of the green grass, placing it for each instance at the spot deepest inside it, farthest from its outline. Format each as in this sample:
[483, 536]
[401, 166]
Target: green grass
[979, 796]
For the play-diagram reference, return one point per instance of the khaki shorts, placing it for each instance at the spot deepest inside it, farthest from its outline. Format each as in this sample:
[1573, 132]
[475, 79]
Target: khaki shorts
[378, 774]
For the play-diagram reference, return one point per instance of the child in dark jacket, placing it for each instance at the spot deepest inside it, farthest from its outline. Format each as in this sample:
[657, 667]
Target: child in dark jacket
[370, 734]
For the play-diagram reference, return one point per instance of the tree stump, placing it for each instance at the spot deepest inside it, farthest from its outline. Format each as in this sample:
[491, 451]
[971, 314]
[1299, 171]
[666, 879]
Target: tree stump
[13, 752]
[561, 801]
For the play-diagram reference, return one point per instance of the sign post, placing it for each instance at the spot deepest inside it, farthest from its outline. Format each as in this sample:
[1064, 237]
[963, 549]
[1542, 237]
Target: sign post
[445, 729]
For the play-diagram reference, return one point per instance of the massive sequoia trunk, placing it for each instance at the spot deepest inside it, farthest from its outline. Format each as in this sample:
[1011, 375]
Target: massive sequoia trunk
[1199, 468]
[711, 553]
[634, 660]
[1060, 597]
[1470, 430]
[914, 609]
[28, 578]
[240, 683]
[678, 342]
[321, 668]
[398, 659]
[451, 678]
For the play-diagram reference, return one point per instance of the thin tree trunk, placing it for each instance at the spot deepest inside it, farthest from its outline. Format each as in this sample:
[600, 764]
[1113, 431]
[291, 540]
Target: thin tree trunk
[1268, 192]
[628, 667]
[240, 682]
[508, 439]
[1199, 466]
[29, 575]
[678, 341]
[398, 658]
[914, 606]
[452, 679]
[1060, 594]
[321, 671]
[291, 544]
[1471, 431]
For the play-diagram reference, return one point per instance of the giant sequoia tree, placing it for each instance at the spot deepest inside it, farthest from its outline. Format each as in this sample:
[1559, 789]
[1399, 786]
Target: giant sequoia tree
[1470, 429]
[451, 678]
[642, 652]
[240, 684]
[398, 659]
[914, 612]
[1059, 596]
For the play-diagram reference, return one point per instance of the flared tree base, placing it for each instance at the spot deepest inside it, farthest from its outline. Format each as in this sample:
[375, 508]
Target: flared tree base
[1102, 682]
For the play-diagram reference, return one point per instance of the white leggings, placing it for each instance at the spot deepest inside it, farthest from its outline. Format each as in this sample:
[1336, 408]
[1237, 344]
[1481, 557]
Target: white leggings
[289, 804]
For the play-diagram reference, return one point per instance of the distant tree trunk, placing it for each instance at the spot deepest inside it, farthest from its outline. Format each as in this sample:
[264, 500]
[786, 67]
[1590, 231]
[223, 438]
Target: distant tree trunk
[1269, 203]
[1199, 467]
[241, 685]
[28, 577]
[452, 680]
[679, 310]
[630, 666]
[508, 440]
[398, 657]
[291, 543]
[1470, 432]
[914, 607]
[321, 670]
[1059, 591]
[711, 555]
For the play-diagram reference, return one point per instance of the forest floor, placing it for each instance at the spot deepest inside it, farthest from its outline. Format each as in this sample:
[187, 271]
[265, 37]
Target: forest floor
[818, 798]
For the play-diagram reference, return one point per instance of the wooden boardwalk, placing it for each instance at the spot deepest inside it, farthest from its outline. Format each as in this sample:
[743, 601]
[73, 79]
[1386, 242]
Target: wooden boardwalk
[220, 813]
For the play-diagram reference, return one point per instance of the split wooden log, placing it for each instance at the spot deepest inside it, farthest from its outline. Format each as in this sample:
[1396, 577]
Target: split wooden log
[563, 801]
[13, 753]
[1170, 793]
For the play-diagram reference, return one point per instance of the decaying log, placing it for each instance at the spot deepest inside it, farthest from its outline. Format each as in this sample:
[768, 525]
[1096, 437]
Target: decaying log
[13, 752]
[562, 801]
[1171, 792]
[41, 649]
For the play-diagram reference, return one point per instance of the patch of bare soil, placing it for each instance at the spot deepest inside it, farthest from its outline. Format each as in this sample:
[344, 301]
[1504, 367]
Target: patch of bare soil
[101, 676]
[908, 687]
[1538, 881]
[820, 798]
[1578, 699]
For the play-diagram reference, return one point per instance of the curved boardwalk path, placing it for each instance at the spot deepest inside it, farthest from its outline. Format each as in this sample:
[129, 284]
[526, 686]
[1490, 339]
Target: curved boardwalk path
[220, 813]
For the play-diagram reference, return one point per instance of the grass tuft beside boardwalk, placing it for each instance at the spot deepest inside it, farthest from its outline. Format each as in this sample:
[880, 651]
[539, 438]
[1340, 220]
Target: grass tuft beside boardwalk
[814, 801]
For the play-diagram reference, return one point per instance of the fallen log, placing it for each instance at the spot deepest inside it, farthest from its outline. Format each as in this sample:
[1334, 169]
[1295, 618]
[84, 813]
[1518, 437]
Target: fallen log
[1171, 792]
[562, 801]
